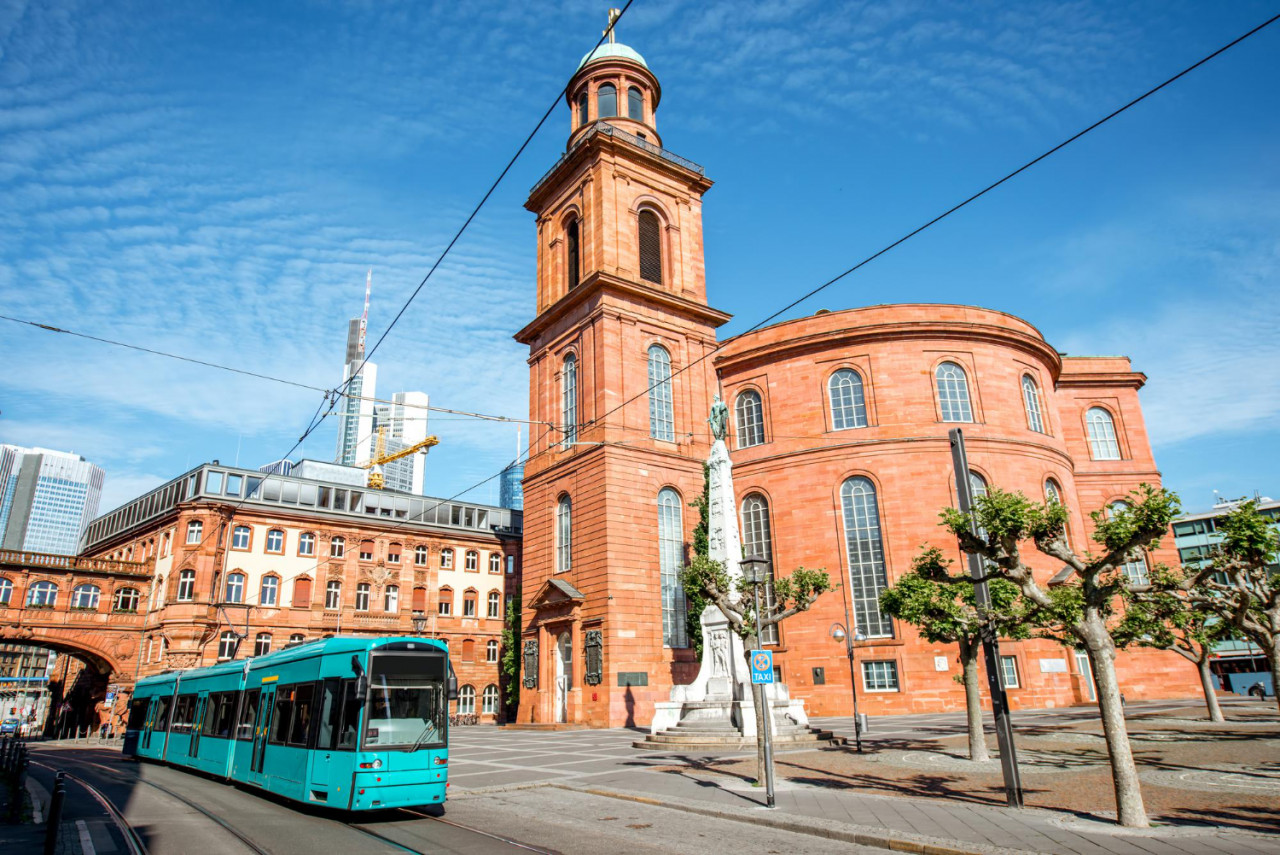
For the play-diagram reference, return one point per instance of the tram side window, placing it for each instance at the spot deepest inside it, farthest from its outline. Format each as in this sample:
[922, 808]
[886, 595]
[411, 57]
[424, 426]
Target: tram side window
[219, 714]
[162, 715]
[301, 726]
[339, 715]
[184, 712]
[282, 715]
[138, 713]
[248, 714]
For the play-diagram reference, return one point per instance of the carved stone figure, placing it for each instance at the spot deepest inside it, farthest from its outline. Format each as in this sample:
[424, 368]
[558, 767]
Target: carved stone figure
[719, 419]
[720, 655]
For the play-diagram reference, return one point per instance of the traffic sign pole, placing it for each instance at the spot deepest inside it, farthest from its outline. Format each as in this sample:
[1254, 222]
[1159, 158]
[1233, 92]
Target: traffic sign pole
[765, 657]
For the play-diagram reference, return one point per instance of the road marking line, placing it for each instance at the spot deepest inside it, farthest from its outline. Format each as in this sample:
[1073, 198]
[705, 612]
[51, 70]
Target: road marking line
[86, 842]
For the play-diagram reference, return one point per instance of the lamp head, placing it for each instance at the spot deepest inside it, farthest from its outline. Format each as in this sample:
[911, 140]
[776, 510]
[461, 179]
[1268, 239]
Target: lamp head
[755, 570]
[838, 632]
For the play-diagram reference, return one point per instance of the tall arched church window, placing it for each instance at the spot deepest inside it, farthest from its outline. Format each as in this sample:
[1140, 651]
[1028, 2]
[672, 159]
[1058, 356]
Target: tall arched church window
[757, 540]
[953, 393]
[572, 254]
[749, 415]
[675, 631]
[1103, 444]
[606, 101]
[1031, 400]
[661, 416]
[582, 108]
[564, 535]
[635, 104]
[1052, 492]
[650, 247]
[569, 400]
[848, 404]
[865, 549]
[1135, 569]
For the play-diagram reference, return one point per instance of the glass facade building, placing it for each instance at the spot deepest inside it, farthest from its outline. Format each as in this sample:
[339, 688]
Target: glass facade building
[47, 498]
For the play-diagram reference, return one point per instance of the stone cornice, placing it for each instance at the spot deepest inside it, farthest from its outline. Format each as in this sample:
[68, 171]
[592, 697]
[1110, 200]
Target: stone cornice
[600, 284]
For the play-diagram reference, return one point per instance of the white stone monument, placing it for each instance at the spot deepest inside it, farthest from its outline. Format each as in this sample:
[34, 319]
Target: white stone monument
[722, 689]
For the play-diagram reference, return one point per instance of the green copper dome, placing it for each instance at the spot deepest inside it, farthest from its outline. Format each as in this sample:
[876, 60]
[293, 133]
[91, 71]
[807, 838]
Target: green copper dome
[612, 50]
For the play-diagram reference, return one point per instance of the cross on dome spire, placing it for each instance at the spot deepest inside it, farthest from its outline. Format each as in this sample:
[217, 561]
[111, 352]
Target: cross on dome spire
[614, 15]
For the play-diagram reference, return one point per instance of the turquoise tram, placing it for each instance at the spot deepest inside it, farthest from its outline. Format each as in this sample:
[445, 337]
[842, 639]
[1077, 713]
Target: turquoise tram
[349, 723]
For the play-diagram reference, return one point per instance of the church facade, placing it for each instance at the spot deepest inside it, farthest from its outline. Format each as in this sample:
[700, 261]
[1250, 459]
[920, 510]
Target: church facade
[838, 437]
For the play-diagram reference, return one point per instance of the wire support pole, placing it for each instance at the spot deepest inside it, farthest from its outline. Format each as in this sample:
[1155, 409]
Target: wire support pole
[990, 644]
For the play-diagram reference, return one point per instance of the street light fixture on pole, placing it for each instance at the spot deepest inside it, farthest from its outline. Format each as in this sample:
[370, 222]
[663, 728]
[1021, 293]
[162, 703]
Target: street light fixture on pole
[419, 623]
[755, 572]
[840, 632]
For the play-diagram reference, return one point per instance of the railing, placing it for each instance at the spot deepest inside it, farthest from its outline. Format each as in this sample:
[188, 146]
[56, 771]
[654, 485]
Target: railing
[71, 563]
[603, 127]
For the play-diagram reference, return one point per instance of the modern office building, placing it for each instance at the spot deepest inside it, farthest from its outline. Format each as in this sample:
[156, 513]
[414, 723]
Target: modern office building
[46, 499]
[24, 683]
[510, 488]
[405, 423]
[1239, 663]
[360, 380]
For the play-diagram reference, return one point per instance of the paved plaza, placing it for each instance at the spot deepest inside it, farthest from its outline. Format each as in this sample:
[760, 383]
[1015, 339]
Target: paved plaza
[911, 789]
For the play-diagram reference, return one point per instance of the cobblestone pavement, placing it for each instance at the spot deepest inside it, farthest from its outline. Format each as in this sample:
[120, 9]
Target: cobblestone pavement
[1209, 786]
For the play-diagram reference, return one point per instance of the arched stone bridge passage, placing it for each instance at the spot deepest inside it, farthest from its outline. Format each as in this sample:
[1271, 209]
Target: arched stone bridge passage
[92, 608]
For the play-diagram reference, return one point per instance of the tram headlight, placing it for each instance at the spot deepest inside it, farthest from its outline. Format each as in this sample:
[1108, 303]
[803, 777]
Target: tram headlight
[376, 764]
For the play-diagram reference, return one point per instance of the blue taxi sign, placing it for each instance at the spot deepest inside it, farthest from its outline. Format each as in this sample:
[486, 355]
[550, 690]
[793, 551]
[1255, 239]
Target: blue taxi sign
[761, 666]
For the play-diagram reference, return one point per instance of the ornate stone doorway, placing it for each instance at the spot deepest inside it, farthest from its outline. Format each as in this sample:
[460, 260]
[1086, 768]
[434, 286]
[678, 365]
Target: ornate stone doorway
[564, 675]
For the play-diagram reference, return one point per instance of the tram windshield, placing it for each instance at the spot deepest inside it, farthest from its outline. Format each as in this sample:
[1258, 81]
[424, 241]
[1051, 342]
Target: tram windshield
[407, 708]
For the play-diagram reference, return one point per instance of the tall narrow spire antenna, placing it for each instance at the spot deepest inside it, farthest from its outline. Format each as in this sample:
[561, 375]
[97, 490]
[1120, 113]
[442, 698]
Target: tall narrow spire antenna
[364, 318]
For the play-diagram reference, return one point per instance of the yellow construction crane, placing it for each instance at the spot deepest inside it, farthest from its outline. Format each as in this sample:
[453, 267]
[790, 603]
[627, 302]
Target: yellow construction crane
[380, 456]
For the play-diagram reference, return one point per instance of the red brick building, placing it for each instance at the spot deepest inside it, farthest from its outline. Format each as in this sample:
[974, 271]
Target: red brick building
[244, 563]
[839, 444]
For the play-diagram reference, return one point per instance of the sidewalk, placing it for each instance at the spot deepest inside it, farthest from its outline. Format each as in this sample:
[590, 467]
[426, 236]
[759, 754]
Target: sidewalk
[907, 824]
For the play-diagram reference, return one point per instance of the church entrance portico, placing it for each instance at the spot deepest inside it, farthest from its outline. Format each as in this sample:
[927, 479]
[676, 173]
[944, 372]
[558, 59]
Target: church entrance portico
[557, 627]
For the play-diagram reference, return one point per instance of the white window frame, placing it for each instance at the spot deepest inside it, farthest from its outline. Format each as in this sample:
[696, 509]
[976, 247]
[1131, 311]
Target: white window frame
[195, 531]
[1007, 663]
[363, 590]
[391, 599]
[662, 421]
[337, 547]
[269, 591]
[1104, 442]
[262, 644]
[490, 700]
[564, 534]
[333, 595]
[675, 629]
[954, 401]
[227, 646]
[748, 418]
[467, 700]
[421, 555]
[85, 596]
[186, 586]
[236, 541]
[238, 580]
[1033, 404]
[891, 669]
[306, 544]
[271, 533]
[491, 649]
[846, 395]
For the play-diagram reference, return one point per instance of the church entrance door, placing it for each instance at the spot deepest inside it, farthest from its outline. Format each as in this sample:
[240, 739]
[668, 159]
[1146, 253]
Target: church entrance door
[564, 675]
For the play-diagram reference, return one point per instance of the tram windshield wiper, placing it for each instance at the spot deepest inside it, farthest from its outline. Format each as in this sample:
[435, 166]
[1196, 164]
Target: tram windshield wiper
[417, 743]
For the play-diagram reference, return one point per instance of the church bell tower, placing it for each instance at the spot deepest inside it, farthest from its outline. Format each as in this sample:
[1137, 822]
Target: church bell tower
[619, 401]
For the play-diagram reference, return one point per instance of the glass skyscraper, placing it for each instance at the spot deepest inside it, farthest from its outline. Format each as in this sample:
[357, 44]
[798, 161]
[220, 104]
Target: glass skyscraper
[46, 499]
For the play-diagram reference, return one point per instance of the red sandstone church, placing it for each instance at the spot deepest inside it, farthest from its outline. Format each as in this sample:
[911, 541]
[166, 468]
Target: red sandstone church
[839, 443]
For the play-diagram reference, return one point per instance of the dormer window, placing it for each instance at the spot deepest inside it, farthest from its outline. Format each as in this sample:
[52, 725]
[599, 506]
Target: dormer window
[606, 101]
[635, 104]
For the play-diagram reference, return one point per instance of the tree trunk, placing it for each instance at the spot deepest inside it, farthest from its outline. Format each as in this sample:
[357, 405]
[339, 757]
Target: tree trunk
[973, 699]
[1210, 690]
[1273, 660]
[1124, 771]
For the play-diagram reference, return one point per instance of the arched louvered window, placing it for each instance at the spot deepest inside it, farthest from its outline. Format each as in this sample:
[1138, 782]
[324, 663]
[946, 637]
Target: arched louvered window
[650, 247]
[749, 415]
[865, 550]
[1031, 399]
[573, 258]
[675, 631]
[606, 101]
[953, 393]
[564, 535]
[757, 540]
[569, 402]
[635, 104]
[661, 416]
[848, 404]
[1103, 444]
[582, 108]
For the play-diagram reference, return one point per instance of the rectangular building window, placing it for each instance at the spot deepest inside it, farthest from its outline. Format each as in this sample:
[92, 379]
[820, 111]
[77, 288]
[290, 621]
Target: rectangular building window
[1009, 672]
[880, 676]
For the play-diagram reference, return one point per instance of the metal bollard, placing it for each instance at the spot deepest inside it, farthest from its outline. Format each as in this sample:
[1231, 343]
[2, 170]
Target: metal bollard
[55, 813]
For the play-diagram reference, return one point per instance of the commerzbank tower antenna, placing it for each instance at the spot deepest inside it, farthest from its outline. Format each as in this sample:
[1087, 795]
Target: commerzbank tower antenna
[364, 318]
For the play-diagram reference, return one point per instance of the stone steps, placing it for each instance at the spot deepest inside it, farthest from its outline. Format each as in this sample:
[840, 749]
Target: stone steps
[722, 736]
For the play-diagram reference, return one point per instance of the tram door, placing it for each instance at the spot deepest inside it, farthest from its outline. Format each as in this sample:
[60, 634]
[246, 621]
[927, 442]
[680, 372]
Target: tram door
[261, 731]
[197, 726]
[148, 727]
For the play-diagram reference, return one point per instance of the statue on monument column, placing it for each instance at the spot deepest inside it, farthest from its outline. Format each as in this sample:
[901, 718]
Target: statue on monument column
[719, 419]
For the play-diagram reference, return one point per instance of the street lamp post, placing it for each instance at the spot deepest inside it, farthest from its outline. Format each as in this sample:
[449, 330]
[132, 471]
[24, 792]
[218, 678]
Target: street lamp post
[840, 632]
[755, 572]
[419, 623]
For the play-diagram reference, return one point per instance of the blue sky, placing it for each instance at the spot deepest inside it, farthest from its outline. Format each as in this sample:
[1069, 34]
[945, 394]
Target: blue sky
[214, 180]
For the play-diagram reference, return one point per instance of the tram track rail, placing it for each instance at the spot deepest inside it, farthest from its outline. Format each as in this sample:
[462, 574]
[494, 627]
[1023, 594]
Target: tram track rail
[244, 838]
[131, 839]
